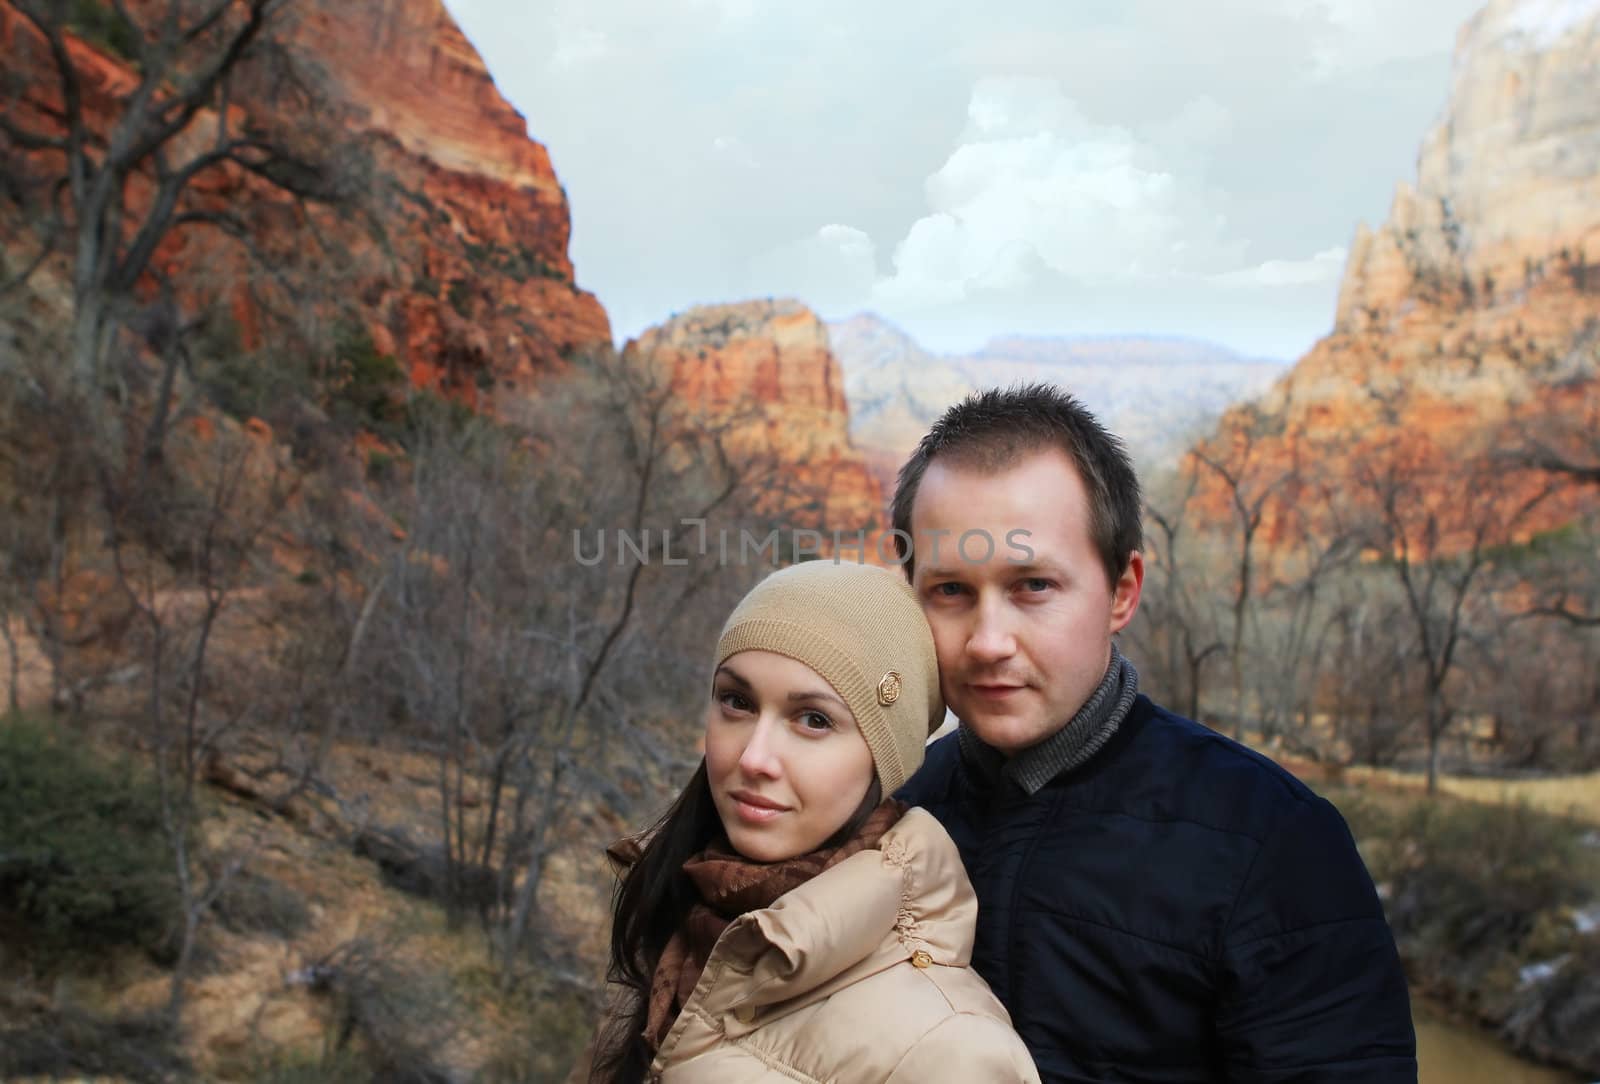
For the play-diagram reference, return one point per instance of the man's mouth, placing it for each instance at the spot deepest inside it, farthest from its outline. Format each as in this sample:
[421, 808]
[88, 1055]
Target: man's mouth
[995, 690]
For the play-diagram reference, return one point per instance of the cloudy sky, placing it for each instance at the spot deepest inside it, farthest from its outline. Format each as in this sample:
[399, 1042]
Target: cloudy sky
[967, 169]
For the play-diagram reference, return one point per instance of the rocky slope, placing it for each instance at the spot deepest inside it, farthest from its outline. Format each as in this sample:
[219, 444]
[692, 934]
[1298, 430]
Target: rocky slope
[452, 240]
[491, 289]
[1153, 392]
[766, 370]
[1467, 321]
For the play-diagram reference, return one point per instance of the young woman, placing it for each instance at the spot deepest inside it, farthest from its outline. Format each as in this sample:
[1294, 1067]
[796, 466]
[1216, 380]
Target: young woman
[784, 921]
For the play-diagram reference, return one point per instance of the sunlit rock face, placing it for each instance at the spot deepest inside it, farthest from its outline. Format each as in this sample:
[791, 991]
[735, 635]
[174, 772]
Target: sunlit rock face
[1508, 180]
[451, 246]
[484, 299]
[766, 370]
[1468, 324]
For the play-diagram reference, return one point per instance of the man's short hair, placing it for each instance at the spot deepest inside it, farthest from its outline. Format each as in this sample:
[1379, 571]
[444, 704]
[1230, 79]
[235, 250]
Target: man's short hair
[991, 431]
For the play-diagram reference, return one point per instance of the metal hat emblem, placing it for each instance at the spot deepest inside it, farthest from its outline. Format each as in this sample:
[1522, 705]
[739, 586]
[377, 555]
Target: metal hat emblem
[889, 688]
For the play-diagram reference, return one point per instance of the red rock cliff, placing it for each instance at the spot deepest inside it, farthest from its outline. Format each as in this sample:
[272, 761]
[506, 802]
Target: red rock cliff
[1467, 322]
[766, 368]
[468, 283]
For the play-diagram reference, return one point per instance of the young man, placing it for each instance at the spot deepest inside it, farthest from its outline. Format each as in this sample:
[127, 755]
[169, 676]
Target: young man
[1156, 902]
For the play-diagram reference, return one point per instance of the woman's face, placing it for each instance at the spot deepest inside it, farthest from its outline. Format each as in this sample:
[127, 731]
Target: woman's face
[786, 764]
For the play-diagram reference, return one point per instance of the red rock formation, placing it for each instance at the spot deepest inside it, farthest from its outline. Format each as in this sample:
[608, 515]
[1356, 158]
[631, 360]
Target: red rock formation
[1467, 322]
[766, 370]
[468, 281]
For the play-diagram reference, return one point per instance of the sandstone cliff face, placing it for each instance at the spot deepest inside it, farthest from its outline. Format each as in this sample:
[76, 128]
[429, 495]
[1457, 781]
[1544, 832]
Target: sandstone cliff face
[465, 279]
[765, 369]
[490, 301]
[1467, 322]
[1508, 181]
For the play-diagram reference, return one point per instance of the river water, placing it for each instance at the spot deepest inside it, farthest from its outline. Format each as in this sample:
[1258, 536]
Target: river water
[1454, 1053]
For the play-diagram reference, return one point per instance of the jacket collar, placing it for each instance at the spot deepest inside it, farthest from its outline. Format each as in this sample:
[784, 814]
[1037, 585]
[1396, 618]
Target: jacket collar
[875, 909]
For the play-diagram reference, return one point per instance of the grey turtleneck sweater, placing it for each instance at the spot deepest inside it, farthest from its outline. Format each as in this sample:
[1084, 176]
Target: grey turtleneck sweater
[1068, 747]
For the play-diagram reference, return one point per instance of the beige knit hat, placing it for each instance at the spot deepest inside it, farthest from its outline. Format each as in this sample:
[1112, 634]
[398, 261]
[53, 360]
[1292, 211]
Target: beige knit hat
[860, 627]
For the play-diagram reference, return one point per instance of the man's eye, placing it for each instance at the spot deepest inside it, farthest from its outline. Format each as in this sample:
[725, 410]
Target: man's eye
[947, 589]
[1035, 583]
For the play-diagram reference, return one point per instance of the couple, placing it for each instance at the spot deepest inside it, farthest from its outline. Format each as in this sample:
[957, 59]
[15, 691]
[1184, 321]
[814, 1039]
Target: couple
[1077, 885]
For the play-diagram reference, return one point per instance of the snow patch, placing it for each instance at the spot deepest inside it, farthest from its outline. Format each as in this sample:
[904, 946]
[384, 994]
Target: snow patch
[1542, 23]
[1534, 974]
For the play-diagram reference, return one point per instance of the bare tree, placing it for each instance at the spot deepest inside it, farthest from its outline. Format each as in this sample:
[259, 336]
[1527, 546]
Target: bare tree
[122, 164]
[1302, 599]
[183, 555]
[1179, 631]
[532, 623]
[1365, 681]
[1436, 532]
[1239, 456]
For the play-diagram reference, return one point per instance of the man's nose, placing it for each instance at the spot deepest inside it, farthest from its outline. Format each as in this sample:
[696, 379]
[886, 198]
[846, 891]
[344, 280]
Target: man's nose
[992, 639]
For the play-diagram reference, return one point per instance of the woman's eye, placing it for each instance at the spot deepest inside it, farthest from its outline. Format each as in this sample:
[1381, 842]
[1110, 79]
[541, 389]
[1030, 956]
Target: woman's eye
[733, 701]
[815, 720]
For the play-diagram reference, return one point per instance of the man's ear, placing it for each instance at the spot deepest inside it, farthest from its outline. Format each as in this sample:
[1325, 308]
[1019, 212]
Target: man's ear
[1125, 595]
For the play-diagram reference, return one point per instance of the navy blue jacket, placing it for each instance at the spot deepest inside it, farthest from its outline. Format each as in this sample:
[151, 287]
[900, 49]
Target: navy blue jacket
[1179, 908]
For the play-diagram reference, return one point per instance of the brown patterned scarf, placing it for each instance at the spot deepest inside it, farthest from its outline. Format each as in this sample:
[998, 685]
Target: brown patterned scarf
[731, 885]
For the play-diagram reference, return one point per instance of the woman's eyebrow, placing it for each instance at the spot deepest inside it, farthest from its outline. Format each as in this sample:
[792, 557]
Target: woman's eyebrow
[818, 694]
[733, 675]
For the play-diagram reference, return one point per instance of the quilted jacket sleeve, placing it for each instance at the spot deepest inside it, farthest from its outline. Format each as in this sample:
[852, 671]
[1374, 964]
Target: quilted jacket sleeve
[963, 1048]
[1312, 989]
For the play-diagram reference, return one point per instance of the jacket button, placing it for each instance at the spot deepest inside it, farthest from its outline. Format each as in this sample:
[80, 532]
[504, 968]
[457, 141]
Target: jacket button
[920, 958]
[745, 1014]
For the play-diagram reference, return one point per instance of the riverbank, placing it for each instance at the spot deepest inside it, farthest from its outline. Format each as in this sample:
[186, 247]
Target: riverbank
[1496, 911]
[1455, 1051]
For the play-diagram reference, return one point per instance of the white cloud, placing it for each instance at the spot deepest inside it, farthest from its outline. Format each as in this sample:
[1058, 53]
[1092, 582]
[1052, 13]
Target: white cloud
[1037, 187]
[832, 270]
[1159, 145]
[1541, 23]
[1325, 266]
[1362, 34]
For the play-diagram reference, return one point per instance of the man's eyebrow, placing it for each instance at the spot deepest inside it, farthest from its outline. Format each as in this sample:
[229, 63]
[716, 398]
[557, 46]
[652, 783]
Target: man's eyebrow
[1046, 567]
[938, 572]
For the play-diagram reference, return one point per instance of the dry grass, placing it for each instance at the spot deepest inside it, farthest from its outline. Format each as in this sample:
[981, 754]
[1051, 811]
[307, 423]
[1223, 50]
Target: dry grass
[1567, 795]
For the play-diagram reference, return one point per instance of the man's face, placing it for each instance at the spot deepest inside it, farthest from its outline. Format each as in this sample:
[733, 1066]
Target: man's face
[1023, 639]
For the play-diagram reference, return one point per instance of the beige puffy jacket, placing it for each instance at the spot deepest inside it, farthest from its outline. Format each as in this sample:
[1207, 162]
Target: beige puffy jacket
[859, 976]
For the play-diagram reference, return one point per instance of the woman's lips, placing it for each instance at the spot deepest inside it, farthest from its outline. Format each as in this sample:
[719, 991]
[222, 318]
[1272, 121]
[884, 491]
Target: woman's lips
[755, 809]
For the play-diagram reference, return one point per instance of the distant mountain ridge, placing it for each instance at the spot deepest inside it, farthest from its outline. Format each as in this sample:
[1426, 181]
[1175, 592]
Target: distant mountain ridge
[1153, 391]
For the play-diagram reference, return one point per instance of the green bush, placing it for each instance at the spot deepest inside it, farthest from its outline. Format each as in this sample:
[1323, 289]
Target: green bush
[247, 383]
[253, 903]
[367, 386]
[557, 1026]
[100, 23]
[336, 1067]
[83, 855]
[429, 412]
[1478, 891]
[74, 1044]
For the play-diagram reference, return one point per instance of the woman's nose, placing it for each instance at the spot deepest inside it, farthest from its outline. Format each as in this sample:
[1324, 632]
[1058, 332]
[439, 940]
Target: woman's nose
[760, 755]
